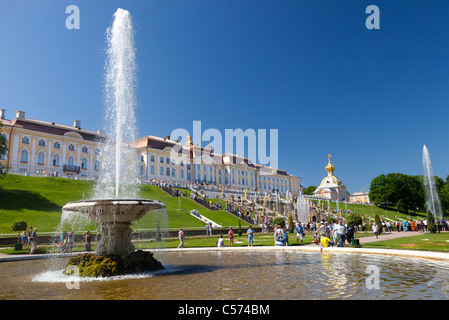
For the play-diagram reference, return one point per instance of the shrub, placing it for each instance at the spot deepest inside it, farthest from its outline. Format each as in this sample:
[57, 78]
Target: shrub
[278, 221]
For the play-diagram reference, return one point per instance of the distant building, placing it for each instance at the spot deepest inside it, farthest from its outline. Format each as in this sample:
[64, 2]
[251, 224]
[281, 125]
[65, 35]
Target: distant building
[331, 187]
[42, 148]
[360, 197]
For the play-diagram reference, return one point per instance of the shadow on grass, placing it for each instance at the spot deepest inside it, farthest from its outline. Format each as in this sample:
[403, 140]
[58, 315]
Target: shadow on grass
[25, 200]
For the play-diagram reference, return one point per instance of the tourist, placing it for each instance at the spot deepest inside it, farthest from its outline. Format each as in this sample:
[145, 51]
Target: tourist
[350, 234]
[325, 242]
[250, 233]
[285, 236]
[87, 239]
[375, 230]
[208, 229]
[24, 238]
[33, 241]
[71, 240]
[299, 233]
[220, 242]
[63, 242]
[278, 238]
[341, 233]
[181, 238]
[30, 231]
[231, 237]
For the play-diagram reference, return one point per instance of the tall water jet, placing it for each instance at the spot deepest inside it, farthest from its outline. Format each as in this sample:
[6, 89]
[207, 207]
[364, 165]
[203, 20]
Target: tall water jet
[432, 199]
[115, 205]
[118, 160]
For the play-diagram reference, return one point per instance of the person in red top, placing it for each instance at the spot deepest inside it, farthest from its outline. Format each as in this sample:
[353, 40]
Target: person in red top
[231, 237]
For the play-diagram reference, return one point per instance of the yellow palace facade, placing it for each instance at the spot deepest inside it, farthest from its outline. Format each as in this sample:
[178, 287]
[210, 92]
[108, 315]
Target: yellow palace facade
[42, 148]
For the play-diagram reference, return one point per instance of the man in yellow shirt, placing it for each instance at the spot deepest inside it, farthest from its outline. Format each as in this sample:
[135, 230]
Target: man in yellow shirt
[326, 242]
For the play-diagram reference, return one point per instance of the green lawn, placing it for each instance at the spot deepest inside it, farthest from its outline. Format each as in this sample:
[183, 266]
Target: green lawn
[38, 201]
[426, 242]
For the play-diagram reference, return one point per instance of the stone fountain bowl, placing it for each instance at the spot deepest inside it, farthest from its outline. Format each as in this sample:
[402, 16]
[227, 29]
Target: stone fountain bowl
[114, 210]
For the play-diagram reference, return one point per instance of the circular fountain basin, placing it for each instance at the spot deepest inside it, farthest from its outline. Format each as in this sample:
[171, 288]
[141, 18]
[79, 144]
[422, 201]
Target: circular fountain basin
[114, 210]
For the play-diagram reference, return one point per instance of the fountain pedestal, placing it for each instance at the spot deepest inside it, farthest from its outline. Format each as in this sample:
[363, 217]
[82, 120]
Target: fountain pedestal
[115, 217]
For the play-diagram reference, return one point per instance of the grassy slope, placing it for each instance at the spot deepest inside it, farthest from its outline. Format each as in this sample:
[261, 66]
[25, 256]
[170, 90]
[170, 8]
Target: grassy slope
[38, 201]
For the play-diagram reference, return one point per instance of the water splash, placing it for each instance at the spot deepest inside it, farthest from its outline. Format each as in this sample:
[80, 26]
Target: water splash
[432, 199]
[119, 161]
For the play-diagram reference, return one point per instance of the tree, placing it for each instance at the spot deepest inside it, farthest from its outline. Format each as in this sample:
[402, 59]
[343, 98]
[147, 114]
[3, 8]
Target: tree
[430, 222]
[354, 219]
[290, 223]
[309, 190]
[19, 226]
[3, 146]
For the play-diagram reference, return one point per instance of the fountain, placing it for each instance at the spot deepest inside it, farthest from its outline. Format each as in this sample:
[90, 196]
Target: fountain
[115, 205]
[303, 208]
[432, 199]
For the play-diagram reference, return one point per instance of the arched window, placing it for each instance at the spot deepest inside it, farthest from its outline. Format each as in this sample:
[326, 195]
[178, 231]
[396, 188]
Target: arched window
[182, 174]
[167, 160]
[173, 173]
[57, 145]
[70, 161]
[71, 147]
[152, 170]
[83, 163]
[23, 156]
[97, 165]
[85, 149]
[161, 159]
[26, 140]
[40, 158]
[56, 160]
[152, 158]
[41, 143]
[167, 172]
[161, 171]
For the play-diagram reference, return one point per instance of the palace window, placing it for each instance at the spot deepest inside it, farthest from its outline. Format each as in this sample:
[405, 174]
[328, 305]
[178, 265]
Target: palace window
[152, 170]
[70, 161]
[83, 163]
[26, 140]
[85, 149]
[152, 158]
[167, 172]
[182, 174]
[141, 170]
[56, 160]
[167, 160]
[23, 156]
[71, 147]
[161, 160]
[97, 165]
[173, 173]
[57, 145]
[142, 158]
[41, 143]
[161, 171]
[40, 158]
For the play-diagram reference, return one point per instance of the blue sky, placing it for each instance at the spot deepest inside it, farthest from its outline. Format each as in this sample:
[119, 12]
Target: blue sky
[371, 98]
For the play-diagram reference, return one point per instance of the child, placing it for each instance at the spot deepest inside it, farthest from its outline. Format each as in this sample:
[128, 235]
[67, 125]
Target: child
[316, 238]
[220, 242]
[326, 242]
[285, 237]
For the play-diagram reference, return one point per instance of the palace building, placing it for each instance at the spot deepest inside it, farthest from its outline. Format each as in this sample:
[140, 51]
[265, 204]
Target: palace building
[42, 148]
[331, 187]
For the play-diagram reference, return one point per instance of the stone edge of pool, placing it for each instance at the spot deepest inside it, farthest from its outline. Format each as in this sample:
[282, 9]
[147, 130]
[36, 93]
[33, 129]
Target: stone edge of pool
[391, 252]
